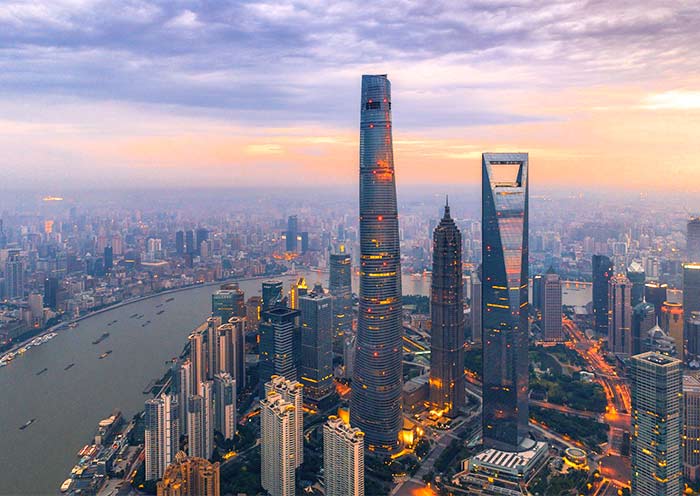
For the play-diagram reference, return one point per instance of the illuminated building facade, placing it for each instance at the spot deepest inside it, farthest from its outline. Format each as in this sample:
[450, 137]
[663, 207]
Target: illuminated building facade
[293, 393]
[190, 476]
[375, 406]
[343, 459]
[691, 428]
[656, 293]
[279, 343]
[505, 299]
[316, 365]
[602, 272]
[447, 313]
[620, 315]
[656, 425]
[673, 325]
[271, 294]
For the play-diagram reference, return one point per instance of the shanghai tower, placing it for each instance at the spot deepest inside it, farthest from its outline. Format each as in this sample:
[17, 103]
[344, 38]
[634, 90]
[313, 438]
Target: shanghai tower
[505, 299]
[375, 406]
[447, 314]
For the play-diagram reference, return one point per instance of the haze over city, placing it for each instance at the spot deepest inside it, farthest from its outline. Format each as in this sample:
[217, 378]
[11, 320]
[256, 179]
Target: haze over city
[252, 93]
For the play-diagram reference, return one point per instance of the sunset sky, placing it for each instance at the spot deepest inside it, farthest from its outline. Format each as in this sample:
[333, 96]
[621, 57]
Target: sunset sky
[190, 93]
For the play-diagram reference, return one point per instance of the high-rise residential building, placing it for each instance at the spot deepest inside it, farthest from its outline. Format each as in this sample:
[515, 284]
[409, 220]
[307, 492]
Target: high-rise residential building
[643, 320]
[552, 307]
[656, 425]
[277, 445]
[199, 359]
[279, 343]
[297, 290]
[691, 428]
[340, 287]
[672, 323]
[212, 346]
[293, 393]
[620, 315]
[292, 233]
[693, 240]
[505, 299]
[14, 275]
[476, 308]
[200, 422]
[375, 405]
[656, 293]
[161, 434]
[636, 276]
[182, 386]
[271, 294]
[51, 292]
[692, 337]
[316, 364]
[225, 405]
[190, 476]
[231, 350]
[343, 459]
[447, 314]
[602, 272]
[180, 242]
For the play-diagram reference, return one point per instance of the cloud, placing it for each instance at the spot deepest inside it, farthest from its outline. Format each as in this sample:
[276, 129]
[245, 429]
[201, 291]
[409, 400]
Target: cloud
[675, 100]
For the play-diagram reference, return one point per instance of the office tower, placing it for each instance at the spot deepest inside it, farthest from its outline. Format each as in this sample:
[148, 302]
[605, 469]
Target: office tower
[223, 304]
[636, 276]
[291, 392]
[316, 367]
[180, 242]
[656, 425]
[304, 240]
[182, 386]
[108, 257]
[691, 428]
[447, 314]
[375, 405]
[189, 243]
[657, 340]
[602, 272]
[161, 434]
[691, 292]
[271, 294]
[340, 287]
[212, 335]
[51, 292]
[505, 299]
[643, 320]
[349, 343]
[190, 476]
[537, 292]
[297, 290]
[292, 233]
[14, 275]
[656, 294]
[225, 403]
[253, 308]
[551, 307]
[692, 337]
[277, 445]
[201, 236]
[693, 240]
[279, 343]
[231, 352]
[238, 299]
[475, 306]
[198, 357]
[620, 315]
[672, 323]
[343, 459]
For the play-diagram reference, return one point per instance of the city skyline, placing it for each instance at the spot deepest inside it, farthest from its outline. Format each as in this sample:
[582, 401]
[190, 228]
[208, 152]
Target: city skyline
[165, 97]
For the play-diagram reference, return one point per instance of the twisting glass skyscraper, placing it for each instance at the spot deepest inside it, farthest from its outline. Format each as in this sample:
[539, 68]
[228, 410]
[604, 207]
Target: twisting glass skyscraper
[447, 312]
[375, 406]
[504, 298]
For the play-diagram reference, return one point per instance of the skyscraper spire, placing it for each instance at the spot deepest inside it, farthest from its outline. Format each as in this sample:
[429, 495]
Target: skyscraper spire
[375, 406]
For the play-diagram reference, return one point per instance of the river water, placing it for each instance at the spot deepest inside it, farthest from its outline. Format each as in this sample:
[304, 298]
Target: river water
[68, 404]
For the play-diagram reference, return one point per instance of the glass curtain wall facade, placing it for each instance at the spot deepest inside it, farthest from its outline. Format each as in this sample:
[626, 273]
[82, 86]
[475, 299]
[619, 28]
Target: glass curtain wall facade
[505, 299]
[375, 406]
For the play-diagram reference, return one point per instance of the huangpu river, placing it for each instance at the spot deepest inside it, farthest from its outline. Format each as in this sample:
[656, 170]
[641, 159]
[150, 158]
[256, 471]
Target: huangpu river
[68, 404]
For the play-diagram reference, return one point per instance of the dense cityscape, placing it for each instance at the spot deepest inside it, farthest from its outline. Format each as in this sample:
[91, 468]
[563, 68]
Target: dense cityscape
[341, 248]
[527, 350]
